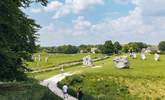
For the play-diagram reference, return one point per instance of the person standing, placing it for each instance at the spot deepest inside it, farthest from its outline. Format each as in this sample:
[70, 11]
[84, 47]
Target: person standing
[62, 70]
[80, 94]
[65, 90]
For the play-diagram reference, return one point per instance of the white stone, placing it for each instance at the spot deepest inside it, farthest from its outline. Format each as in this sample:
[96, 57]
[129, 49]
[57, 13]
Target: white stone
[121, 62]
[143, 56]
[157, 57]
[46, 59]
[133, 55]
[93, 50]
[39, 57]
[87, 61]
[33, 57]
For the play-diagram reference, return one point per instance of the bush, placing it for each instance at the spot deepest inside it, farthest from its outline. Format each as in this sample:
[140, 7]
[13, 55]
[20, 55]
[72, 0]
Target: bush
[97, 87]
[11, 66]
[161, 46]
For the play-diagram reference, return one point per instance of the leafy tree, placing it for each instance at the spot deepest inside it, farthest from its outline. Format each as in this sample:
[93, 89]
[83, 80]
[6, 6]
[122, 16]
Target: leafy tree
[69, 49]
[134, 46]
[17, 38]
[161, 46]
[85, 48]
[117, 47]
[108, 47]
[125, 48]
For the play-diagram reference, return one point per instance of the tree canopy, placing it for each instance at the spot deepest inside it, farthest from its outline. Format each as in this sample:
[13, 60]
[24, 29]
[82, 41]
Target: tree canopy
[134, 46]
[161, 46]
[17, 37]
[117, 47]
[108, 47]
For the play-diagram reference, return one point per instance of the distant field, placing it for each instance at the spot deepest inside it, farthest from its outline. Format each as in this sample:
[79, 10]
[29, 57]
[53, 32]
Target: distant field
[144, 80]
[55, 59]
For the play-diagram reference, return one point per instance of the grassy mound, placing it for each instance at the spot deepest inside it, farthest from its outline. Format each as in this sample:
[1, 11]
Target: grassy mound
[144, 80]
[25, 91]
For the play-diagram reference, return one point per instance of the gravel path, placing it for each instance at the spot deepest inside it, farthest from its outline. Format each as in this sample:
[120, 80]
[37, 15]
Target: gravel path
[51, 83]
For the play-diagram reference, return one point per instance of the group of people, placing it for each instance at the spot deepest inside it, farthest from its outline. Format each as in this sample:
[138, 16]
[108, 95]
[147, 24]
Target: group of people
[79, 93]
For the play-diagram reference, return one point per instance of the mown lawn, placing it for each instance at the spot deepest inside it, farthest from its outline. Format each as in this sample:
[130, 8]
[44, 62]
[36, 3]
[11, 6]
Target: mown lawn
[25, 91]
[144, 80]
[55, 59]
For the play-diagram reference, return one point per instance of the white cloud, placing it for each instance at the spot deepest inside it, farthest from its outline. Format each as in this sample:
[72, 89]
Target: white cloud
[122, 1]
[52, 6]
[146, 24]
[62, 12]
[76, 6]
[81, 26]
[36, 10]
[151, 7]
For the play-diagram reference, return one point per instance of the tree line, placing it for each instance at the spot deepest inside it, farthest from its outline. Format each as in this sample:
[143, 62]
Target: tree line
[107, 48]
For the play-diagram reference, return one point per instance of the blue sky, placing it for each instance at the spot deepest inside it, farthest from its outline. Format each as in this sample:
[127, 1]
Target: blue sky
[95, 21]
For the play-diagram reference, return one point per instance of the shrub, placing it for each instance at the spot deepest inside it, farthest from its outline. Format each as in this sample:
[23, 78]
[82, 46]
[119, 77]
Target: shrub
[161, 46]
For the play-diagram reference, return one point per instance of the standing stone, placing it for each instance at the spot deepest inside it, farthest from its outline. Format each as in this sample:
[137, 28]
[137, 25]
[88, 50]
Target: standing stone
[87, 61]
[157, 57]
[46, 59]
[39, 57]
[35, 58]
[121, 62]
[143, 56]
[32, 57]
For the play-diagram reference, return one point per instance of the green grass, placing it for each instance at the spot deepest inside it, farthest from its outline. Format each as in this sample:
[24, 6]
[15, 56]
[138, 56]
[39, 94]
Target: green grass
[55, 59]
[48, 74]
[25, 91]
[144, 80]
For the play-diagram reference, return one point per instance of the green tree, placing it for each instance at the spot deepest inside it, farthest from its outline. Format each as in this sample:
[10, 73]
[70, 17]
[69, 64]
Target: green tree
[161, 46]
[85, 48]
[17, 38]
[108, 47]
[69, 49]
[134, 46]
[125, 48]
[117, 47]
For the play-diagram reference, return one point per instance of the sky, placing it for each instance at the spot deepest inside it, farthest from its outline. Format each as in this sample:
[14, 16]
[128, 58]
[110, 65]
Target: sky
[95, 21]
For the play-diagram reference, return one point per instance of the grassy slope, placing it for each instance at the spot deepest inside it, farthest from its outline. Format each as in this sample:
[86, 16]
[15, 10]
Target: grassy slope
[45, 75]
[145, 79]
[25, 91]
[55, 59]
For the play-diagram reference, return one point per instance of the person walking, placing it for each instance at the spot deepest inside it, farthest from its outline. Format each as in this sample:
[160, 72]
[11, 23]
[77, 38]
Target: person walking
[80, 94]
[65, 90]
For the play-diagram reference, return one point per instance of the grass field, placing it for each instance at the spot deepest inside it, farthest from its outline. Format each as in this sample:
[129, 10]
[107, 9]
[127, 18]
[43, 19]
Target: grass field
[55, 59]
[25, 91]
[144, 80]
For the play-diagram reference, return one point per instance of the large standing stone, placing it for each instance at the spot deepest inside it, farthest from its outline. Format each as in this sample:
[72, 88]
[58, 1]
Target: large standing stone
[121, 62]
[157, 57]
[143, 56]
[39, 57]
[87, 61]
[46, 59]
